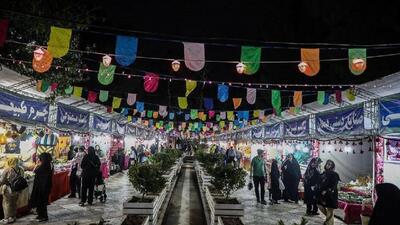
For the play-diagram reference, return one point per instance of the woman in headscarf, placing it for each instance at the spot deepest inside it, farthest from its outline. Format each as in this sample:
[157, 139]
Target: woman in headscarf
[328, 197]
[291, 178]
[275, 190]
[42, 186]
[387, 206]
[90, 169]
[75, 174]
[10, 173]
[312, 182]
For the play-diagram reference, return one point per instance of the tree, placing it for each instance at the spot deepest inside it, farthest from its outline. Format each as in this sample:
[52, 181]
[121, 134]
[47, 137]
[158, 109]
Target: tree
[228, 179]
[30, 22]
[146, 178]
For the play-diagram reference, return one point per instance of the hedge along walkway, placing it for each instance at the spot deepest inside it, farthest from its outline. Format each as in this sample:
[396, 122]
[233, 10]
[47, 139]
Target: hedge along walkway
[67, 211]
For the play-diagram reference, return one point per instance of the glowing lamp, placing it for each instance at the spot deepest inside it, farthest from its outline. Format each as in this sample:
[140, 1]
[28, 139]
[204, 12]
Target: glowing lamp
[240, 68]
[107, 60]
[358, 64]
[303, 67]
[176, 65]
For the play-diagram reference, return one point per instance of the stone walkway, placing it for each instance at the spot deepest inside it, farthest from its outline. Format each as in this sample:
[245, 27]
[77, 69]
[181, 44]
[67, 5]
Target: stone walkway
[67, 211]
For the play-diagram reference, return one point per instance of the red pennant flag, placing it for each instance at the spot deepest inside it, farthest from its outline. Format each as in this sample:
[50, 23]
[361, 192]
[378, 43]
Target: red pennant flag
[338, 96]
[53, 86]
[109, 109]
[3, 31]
[92, 96]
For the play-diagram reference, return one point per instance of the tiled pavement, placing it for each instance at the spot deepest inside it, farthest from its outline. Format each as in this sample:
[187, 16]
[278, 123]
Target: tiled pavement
[66, 211]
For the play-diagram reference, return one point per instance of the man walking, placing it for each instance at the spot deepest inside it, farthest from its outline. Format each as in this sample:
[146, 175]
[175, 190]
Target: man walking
[258, 173]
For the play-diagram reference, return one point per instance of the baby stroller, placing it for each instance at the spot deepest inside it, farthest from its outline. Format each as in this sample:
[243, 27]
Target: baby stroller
[100, 189]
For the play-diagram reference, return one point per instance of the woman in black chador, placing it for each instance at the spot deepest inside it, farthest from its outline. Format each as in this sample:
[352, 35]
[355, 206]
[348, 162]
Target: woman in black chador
[291, 178]
[312, 182]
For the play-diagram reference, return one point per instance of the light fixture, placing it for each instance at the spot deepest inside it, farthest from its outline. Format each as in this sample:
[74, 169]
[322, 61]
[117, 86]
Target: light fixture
[303, 66]
[176, 65]
[240, 68]
[107, 60]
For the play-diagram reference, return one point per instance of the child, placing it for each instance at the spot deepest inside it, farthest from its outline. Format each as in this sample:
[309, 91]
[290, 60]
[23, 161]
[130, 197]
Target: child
[100, 188]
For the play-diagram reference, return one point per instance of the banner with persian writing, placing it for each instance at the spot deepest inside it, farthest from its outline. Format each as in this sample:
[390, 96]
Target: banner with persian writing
[102, 124]
[345, 122]
[72, 118]
[23, 108]
[272, 131]
[389, 114]
[119, 128]
[257, 132]
[131, 130]
[297, 128]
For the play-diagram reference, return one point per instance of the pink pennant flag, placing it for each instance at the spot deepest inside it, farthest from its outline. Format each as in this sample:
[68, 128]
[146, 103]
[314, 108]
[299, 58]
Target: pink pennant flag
[211, 114]
[162, 110]
[194, 55]
[151, 82]
[251, 95]
[92, 96]
[131, 99]
[53, 86]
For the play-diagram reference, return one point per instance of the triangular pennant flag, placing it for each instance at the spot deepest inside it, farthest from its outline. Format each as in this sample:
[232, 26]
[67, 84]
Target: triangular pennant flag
[223, 92]
[194, 55]
[116, 103]
[208, 103]
[298, 98]
[351, 94]
[190, 86]
[231, 116]
[194, 114]
[53, 86]
[3, 31]
[140, 106]
[211, 114]
[69, 90]
[251, 95]
[338, 96]
[250, 57]
[276, 101]
[162, 110]
[77, 91]
[149, 114]
[357, 60]
[171, 116]
[105, 75]
[59, 42]
[155, 114]
[261, 114]
[103, 96]
[182, 102]
[125, 50]
[309, 61]
[151, 82]
[42, 60]
[187, 117]
[92, 96]
[321, 97]
[131, 99]
[236, 102]
[222, 115]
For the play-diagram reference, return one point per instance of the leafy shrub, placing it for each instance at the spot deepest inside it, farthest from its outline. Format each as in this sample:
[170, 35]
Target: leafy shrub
[146, 178]
[227, 179]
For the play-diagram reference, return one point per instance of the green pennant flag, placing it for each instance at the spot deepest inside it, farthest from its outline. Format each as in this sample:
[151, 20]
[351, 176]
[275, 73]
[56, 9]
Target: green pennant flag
[357, 60]
[103, 96]
[69, 90]
[276, 101]
[321, 97]
[218, 117]
[149, 114]
[194, 114]
[250, 57]
[106, 74]
[45, 85]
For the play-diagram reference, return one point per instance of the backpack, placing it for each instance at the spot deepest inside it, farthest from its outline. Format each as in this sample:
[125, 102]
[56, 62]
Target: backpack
[19, 183]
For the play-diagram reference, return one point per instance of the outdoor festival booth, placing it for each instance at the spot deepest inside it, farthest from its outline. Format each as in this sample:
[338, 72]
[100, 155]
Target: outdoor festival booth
[343, 139]
[116, 155]
[101, 136]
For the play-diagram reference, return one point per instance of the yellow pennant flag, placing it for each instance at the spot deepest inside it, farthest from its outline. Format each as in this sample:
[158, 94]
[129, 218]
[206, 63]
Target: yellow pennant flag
[182, 102]
[231, 116]
[129, 119]
[59, 42]
[77, 91]
[190, 86]
[116, 102]
[256, 113]
[221, 124]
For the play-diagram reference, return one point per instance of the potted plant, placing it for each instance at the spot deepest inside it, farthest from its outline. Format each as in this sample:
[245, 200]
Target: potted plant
[227, 179]
[148, 180]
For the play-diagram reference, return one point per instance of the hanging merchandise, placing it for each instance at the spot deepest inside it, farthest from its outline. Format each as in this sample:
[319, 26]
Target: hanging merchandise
[59, 42]
[338, 96]
[69, 90]
[208, 103]
[190, 86]
[3, 31]
[231, 116]
[309, 64]
[92, 96]
[125, 50]
[162, 111]
[151, 82]
[211, 114]
[42, 60]
[298, 98]
[250, 57]
[105, 75]
[140, 106]
[276, 102]
[222, 115]
[116, 103]
[251, 95]
[103, 96]
[236, 102]
[194, 114]
[131, 99]
[223, 92]
[77, 91]
[194, 55]
[182, 102]
[351, 94]
[357, 60]
[171, 116]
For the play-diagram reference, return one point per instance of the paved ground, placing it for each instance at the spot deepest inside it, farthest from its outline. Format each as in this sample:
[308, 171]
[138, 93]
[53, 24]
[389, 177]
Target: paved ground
[66, 211]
